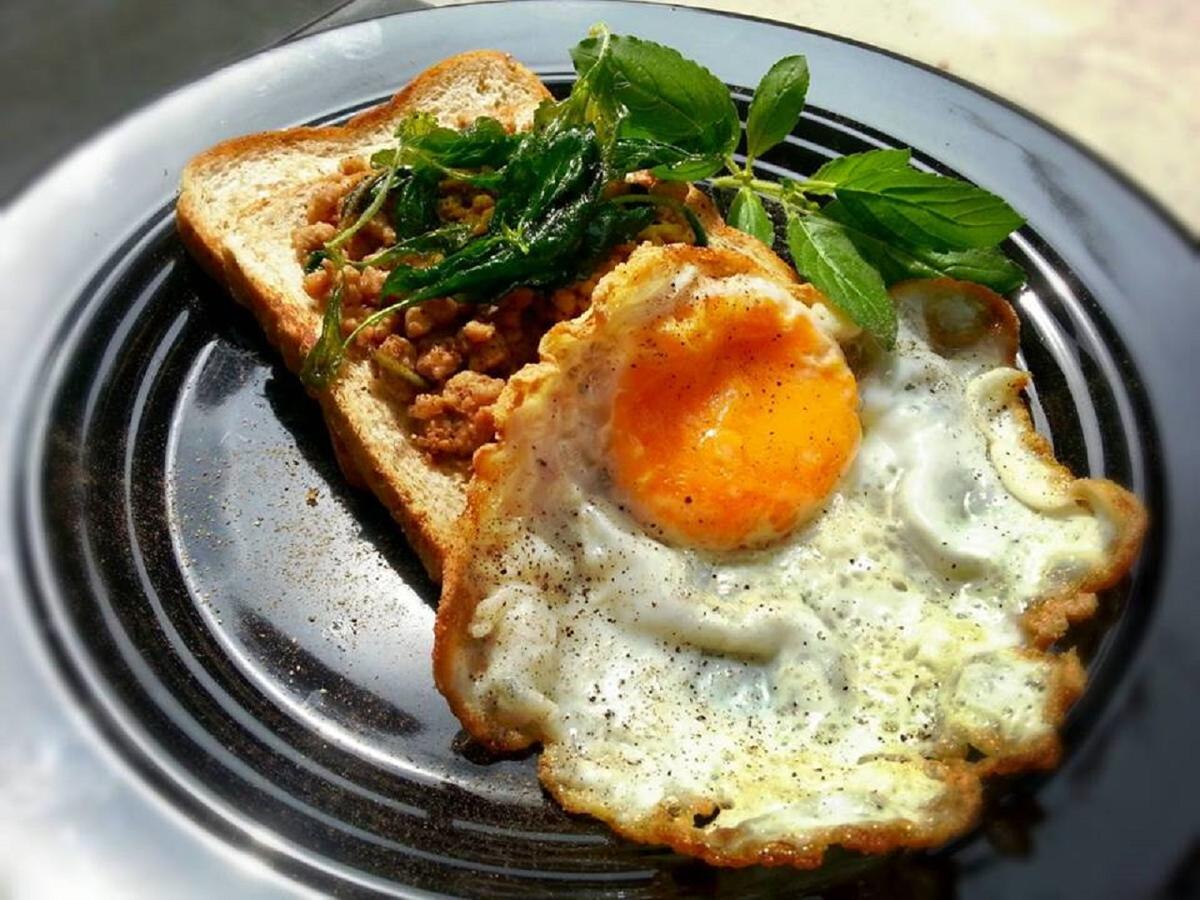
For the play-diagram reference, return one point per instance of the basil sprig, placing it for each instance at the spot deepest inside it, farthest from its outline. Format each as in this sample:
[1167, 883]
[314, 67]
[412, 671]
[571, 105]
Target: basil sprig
[867, 220]
[856, 225]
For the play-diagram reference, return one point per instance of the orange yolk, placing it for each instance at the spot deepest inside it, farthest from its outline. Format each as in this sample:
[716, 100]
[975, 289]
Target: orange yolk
[732, 423]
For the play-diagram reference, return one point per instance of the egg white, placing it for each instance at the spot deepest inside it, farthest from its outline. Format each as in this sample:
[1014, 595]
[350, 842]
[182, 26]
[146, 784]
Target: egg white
[825, 686]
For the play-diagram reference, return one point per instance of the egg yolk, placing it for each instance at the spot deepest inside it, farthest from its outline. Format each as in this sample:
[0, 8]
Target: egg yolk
[732, 423]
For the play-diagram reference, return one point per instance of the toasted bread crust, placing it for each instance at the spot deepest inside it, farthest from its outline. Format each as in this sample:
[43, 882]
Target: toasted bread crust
[241, 200]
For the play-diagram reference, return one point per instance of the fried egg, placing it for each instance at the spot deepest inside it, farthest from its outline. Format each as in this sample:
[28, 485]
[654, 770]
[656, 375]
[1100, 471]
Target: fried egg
[754, 601]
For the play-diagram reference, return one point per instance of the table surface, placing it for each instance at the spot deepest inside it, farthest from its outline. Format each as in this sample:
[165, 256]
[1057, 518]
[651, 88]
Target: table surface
[1126, 86]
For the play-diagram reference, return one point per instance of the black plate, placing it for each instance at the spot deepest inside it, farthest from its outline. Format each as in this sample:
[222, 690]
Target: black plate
[253, 639]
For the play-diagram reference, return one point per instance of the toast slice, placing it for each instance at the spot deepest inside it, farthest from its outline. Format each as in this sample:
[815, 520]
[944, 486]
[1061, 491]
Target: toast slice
[241, 201]
[239, 206]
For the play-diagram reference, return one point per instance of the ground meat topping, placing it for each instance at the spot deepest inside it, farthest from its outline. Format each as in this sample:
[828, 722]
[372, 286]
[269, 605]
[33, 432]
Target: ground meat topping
[443, 361]
[440, 359]
[458, 420]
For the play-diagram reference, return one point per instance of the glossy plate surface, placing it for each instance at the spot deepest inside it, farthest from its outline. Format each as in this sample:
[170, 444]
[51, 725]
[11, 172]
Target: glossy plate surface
[253, 638]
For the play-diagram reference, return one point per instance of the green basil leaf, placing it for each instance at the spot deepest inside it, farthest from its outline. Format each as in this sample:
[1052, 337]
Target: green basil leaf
[665, 96]
[840, 170]
[314, 260]
[665, 161]
[382, 159]
[547, 171]
[611, 225]
[898, 261]
[482, 143]
[424, 144]
[414, 203]
[776, 106]
[324, 359]
[547, 221]
[591, 101]
[985, 265]
[694, 167]
[359, 198]
[444, 240]
[748, 214]
[930, 210]
[825, 255]
[548, 254]
[547, 113]
[699, 235]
